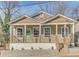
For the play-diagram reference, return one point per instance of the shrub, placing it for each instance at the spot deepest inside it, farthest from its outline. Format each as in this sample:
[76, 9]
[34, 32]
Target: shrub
[52, 48]
[32, 48]
[22, 49]
[40, 48]
[12, 48]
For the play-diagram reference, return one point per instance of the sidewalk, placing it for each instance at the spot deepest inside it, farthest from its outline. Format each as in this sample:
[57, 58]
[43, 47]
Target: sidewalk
[36, 53]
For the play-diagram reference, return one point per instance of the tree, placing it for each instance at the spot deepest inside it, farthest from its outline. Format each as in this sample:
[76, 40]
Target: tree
[8, 10]
[75, 13]
[59, 7]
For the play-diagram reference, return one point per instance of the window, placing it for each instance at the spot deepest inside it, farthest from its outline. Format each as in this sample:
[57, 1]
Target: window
[36, 31]
[47, 31]
[67, 31]
[19, 32]
[64, 31]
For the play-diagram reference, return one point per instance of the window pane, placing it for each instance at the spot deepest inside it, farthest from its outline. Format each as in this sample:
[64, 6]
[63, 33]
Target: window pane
[19, 32]
[47, 31]
[67, 31]
[62, 32]
[36, 31]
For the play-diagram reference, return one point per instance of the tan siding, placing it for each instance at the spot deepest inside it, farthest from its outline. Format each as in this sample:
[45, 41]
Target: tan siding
[41, 17]
[77, 30]
[24, 21]
[77, 27]
[59, 20]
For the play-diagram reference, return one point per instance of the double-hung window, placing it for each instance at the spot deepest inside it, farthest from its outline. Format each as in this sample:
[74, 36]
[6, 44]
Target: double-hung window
[19, 32]
[47, 31]
[64, 32]
[36, 31]
[67, 31]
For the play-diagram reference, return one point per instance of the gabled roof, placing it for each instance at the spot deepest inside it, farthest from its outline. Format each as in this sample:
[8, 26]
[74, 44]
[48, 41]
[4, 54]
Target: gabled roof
[44, 21]
[31, 17]
[45, 16]
[59, 15]
[15, 20]
[40, 12]
[23, 17]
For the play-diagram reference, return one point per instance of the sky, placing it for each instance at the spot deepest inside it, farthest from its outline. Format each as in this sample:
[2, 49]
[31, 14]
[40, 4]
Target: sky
[31, 7]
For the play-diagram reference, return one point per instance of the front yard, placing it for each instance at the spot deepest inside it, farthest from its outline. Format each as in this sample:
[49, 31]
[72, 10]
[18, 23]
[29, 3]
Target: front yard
[39, 53]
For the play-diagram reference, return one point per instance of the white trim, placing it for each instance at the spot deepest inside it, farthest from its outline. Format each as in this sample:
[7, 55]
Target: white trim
[73, 33]
[57, 23]
[25, 27]
[56, 29]
[65, 32]
[47, 13]
[61, 31]
[42, 24]
[40, 28]
[67, 18]
[44, 30]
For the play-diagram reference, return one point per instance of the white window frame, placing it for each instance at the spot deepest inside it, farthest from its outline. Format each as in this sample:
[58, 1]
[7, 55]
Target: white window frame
[61, 31]
[33, 32]
[16, 31]
[65, 32]
[44, 31]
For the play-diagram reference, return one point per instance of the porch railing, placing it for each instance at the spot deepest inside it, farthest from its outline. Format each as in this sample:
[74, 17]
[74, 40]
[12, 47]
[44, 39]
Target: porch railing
[42, 39]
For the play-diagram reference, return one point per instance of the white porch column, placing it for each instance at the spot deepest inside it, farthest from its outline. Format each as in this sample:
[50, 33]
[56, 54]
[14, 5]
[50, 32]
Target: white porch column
[56, 29]
[24, 33]
[65, 29]
[73, 33]
[40, 32]
[14, 33]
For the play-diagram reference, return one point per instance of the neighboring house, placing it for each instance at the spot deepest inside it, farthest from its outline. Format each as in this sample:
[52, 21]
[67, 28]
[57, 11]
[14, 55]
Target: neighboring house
[42, 31]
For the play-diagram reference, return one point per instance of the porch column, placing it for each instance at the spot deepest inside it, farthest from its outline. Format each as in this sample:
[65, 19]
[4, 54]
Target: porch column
[73, 33]
[40, 32]
[14, 34]
[24, 33]
[56, 29]
[64, 29]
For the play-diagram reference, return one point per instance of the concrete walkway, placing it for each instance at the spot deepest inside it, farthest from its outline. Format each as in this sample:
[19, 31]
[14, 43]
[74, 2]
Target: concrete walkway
[39, 53]
[29, 53]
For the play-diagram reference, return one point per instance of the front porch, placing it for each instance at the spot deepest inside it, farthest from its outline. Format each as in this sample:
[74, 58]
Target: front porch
[45, 33]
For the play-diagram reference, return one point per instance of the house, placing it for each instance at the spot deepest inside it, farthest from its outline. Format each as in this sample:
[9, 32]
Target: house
[42, 31]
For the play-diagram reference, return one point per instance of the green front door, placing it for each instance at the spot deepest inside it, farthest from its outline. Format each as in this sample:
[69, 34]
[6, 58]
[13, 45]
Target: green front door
[29, 34]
